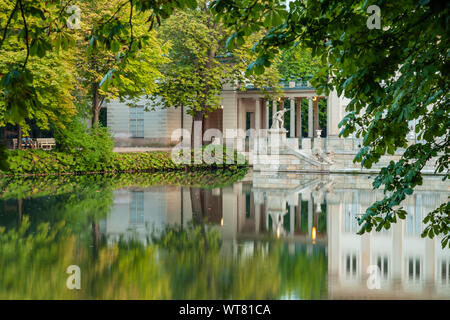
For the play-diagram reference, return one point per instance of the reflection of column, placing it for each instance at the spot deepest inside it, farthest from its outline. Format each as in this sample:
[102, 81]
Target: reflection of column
[310, 214]
[258, 114]
[292, 218]
[299, 213]
[230, 205]
[429, 265]
[257, 217]
[310, 119]
[292, 119]
[397, 239]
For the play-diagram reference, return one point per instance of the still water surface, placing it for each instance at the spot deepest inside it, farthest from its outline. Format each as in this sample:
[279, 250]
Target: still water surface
[279, 236]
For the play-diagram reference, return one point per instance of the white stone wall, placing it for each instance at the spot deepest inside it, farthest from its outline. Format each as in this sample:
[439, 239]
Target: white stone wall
[158, 124]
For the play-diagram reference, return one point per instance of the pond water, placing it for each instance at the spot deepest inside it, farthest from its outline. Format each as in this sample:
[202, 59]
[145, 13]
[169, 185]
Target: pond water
[265, 236]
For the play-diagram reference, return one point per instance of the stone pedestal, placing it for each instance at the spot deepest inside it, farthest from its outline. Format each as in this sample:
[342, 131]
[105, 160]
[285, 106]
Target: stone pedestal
[306, 145]
[276, 140]
[318, 145]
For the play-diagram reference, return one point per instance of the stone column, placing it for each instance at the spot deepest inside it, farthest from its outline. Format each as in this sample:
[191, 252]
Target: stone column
[274, 108]
[310, 118]
[292, 114]
[298, 129]
[266, 105]
[316, 116]
[257, 115]
[334, 114]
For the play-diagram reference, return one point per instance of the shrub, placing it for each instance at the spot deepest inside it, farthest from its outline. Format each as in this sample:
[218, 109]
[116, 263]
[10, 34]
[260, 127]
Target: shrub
[54, 162]
[93, 147]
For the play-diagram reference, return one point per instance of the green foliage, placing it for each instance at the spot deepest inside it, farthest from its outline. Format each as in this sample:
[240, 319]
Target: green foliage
[190, 238]
[74, 161]
[192, 76]
[49, 246]
[102, 72]
[297, 62]
[3, 158]
[394, 76]
[44, 186]
[93, 146]
[438, 224]
[37, 50]
[42, 93]
[200, 64]
[174, 267]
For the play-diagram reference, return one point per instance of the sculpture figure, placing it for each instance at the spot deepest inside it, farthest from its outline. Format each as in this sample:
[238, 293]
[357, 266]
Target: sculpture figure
[278, 119]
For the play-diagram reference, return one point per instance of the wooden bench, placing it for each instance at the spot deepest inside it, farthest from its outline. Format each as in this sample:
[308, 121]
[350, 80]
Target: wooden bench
[32, 145]
[40, 143]
[46, 143]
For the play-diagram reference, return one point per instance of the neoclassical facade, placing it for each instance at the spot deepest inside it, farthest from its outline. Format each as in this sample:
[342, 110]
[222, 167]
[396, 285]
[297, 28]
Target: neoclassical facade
[244, 122]
[240, 109]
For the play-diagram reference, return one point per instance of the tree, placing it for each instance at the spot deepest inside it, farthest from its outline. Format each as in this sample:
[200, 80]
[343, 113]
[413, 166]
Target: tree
[43, 92]
[296, 62]
[42, 28]
[97, 59]
[394, 75]
[200, 65]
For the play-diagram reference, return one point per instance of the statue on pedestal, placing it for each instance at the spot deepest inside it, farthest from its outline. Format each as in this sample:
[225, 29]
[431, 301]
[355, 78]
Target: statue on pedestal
[278, 119]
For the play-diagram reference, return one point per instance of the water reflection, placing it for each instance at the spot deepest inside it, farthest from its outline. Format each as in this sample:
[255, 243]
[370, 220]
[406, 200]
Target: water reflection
[264, 237]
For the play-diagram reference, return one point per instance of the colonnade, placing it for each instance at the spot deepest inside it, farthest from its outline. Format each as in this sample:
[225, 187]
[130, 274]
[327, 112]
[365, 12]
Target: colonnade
[262, 108]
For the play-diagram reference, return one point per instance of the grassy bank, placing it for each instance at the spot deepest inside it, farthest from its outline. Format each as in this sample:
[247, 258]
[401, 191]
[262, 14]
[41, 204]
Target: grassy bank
[38, 162]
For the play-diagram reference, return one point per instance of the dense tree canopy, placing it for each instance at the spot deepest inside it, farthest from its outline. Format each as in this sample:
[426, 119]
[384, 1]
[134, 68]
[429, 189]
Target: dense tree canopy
[130, 81]
[200, 65]
[40, 29]
[42, 91]
[395, 75]
[296, 62]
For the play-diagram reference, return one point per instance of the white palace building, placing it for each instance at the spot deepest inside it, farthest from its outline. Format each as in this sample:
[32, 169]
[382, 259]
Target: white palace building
[315, 149]
[239, 110]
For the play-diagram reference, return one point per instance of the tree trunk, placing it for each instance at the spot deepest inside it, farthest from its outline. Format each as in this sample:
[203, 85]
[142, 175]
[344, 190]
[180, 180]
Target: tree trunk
[95, 106]
[197, 136]
[19, 137]
[198, 211]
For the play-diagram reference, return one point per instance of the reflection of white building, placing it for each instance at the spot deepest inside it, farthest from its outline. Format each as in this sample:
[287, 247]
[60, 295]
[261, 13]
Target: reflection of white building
[140, 213]
[324, 205]
[410, 267]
